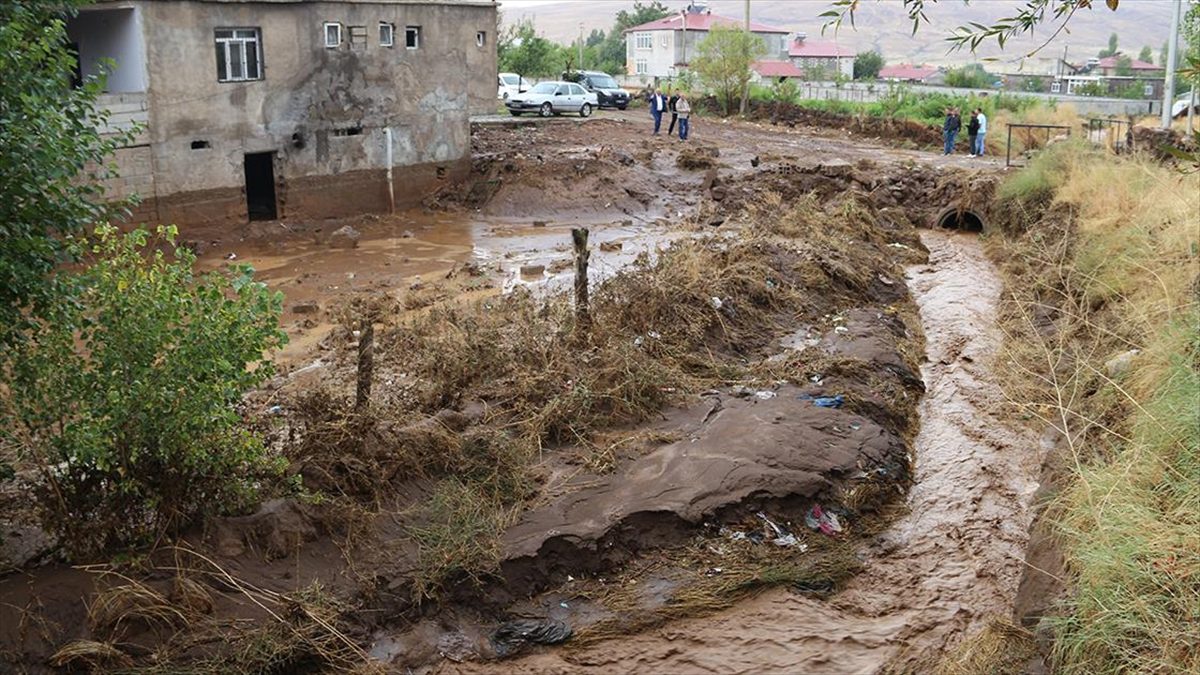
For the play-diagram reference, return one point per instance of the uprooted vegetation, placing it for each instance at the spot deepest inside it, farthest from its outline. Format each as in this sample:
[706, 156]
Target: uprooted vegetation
[1102, 317]
[488, 415]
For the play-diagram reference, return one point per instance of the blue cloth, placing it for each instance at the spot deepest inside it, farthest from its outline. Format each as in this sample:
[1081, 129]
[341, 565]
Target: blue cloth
[684, 128]
[657, 115]
[979, 144]
[950, 135]
[829, 401]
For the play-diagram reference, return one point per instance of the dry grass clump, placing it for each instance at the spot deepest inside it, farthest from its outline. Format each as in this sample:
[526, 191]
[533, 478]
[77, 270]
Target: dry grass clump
[1113, 269]
[115, 609]
[91, 656]
[1001, 648]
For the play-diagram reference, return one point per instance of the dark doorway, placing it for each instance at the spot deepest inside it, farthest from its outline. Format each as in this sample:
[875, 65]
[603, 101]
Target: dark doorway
[260, 185]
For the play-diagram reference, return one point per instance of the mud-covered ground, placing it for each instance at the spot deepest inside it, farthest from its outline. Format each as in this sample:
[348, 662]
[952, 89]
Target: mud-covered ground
[778, 444]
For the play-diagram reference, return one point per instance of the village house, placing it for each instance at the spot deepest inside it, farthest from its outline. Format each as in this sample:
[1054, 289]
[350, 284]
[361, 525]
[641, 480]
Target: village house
[904, 72]
[664, 48]
[820, 60]
[288, 108]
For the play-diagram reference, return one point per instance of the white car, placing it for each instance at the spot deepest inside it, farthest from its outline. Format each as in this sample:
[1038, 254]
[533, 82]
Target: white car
[553, 98]
[511, 83]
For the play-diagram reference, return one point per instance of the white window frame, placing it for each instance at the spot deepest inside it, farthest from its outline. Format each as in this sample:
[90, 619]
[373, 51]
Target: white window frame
[387, 34]
[415, 32]
[641, 66]
[1148, 89]
[239, 41]
[480, 38]
[325, 34]
[1055, 87]
[643, 40]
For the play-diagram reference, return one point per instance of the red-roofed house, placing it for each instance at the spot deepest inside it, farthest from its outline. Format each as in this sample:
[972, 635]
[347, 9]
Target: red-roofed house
[1108, 67]
[821, 60]
[907, 73]
[664, 48]
[774, 71]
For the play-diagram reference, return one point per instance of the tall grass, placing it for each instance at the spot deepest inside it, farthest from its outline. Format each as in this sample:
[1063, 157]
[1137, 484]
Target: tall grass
[1114, 266]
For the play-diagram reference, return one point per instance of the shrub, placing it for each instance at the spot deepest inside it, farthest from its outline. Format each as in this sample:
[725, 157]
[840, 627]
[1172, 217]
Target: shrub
[124, 402]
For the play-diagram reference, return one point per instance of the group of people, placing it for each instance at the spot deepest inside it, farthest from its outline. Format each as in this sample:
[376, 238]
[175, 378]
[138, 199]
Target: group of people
[676, 104]
[976, 130]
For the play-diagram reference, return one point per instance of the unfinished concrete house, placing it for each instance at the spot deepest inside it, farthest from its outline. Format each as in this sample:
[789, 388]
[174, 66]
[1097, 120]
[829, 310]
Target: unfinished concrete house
[288, 108]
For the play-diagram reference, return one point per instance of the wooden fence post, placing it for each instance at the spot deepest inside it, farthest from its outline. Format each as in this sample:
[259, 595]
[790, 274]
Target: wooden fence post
[583, 317]
[366, 363]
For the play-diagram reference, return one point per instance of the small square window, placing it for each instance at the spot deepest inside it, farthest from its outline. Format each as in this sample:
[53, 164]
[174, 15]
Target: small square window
[412, 37]
[239, 55]
[333, 35]
[387, 34]
[481, 38]
[1148, 90]
[358, 38]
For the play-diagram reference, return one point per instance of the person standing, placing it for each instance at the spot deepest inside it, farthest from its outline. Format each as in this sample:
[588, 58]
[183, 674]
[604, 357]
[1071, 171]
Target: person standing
[950, 129]
[674, 116]
[979, 144]
[973, 131]
[658, 103]
[684, 109]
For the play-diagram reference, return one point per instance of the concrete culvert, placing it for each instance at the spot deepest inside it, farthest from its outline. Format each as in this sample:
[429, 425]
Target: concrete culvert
[953, 218]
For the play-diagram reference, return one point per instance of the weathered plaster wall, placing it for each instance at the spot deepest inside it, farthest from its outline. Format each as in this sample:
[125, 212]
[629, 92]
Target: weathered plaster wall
[307, 93]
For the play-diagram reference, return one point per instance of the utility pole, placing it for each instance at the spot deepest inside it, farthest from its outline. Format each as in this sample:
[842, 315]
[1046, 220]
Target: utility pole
[1172, 58]
[746, 88]
[580, 66]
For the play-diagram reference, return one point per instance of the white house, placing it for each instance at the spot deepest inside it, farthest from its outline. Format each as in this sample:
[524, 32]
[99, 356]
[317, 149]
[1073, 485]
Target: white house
[664, 48]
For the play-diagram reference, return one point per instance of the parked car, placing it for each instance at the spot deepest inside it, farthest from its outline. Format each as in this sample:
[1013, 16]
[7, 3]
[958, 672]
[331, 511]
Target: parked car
[511, 83]
[608, 93]
[553, 98]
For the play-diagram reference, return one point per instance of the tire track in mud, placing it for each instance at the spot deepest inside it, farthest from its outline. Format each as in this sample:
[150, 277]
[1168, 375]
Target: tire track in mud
[939, 573]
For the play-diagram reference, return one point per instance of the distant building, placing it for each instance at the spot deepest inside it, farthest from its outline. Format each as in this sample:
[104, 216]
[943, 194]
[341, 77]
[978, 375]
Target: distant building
[285, 108]
[1108, 67]
[905, 72]
[820, 60]
[770, 72]
[664, 48]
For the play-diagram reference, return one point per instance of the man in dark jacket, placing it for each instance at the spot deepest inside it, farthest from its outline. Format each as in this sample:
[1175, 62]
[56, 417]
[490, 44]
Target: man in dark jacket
[658, 104]
[950, 129]
[973, 132]
[674, 115]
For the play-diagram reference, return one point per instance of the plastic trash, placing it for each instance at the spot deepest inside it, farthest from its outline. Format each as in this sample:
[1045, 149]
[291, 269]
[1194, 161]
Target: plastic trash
[829, 401]
[822, 521]
[716, 302]
[764, 395]
[513, 636]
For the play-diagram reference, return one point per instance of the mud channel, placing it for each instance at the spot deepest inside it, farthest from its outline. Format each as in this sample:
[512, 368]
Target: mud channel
[844, 305]
[938, 574]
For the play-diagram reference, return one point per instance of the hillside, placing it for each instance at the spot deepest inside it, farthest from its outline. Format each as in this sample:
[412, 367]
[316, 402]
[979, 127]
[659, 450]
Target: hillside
[885, 26]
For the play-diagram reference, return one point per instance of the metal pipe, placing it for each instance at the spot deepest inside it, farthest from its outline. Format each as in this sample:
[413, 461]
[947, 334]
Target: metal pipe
[387, 137]
[1172, 58]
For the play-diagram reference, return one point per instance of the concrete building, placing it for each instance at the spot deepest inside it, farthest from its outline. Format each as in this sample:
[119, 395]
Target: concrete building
[821, 60]
[1110, 67]
[288, 108]
[665, 47]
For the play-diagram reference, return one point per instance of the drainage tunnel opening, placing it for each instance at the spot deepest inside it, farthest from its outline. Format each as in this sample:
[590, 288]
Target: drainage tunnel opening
[955, 219]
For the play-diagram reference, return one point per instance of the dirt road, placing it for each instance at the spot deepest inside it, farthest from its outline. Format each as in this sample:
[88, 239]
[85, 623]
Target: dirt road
[939, 573]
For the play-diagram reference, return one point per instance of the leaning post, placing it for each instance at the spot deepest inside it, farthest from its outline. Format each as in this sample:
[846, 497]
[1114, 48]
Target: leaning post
[366, 362]
[583, 317]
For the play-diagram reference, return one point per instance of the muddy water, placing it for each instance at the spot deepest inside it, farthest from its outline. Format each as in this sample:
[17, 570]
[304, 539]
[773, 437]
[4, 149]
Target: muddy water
[938, 574]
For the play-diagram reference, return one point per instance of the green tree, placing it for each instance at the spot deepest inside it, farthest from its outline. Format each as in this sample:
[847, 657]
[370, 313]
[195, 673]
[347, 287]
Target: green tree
[971, 76]
[1112, 47]
[867, 65]
[52, 159]
[1124, 66]
[521, 50]
[724, 61]
[1146, 55]
[125, 399]
[595, 38]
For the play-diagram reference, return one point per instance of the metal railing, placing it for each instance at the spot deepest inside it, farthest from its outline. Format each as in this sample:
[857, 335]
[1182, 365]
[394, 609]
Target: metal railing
[1032, 137]
[1113, 133]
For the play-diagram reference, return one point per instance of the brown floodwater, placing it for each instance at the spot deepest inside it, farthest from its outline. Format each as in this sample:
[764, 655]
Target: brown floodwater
[399, 253]
[940, 572]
